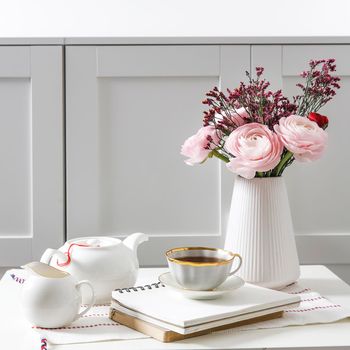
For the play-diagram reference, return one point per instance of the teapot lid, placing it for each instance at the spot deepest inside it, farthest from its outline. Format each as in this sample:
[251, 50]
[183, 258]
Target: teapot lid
[94, 242]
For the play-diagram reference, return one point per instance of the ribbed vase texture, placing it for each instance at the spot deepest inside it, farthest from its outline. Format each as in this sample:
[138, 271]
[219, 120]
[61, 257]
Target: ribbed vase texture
[260, 229]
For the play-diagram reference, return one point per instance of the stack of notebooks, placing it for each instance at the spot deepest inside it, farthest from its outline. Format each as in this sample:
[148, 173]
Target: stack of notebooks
[157, 311]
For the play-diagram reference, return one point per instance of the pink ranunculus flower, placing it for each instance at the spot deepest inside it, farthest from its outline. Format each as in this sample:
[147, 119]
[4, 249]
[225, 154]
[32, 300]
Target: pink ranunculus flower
[255, 148]
[239, 116]
[303, 137]
[195, 146]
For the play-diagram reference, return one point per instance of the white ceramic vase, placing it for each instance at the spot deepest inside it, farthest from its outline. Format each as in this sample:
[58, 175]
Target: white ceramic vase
[260, 229]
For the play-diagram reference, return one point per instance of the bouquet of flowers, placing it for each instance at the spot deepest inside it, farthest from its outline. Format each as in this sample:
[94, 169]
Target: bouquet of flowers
[258, 132]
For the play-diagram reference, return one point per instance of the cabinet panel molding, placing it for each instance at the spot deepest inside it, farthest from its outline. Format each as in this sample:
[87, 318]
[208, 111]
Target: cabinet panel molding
[129, 109]
[48, 147]
[15, 61]
[296, 57]
[153, 61]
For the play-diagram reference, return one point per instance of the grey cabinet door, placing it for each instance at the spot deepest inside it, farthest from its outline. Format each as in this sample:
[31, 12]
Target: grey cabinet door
[31, 152]
[319, 192]
[129, 109]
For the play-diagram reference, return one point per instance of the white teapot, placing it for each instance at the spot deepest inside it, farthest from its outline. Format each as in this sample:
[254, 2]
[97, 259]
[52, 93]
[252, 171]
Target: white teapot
[107, 262]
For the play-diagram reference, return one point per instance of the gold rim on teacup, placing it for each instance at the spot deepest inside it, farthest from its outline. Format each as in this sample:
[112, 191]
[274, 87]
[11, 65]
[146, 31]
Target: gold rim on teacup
[183, 262]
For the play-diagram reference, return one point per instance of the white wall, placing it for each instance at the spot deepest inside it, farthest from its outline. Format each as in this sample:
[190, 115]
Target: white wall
[186, 18]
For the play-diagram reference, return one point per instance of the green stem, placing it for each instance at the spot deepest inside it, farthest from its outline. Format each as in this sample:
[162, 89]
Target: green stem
[220, 156]
[281, 164]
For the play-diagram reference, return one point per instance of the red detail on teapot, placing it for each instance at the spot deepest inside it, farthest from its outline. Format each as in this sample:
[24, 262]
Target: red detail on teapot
[68, 253]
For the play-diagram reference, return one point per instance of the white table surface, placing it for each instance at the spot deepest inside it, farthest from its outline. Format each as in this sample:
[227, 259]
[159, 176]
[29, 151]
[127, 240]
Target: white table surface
[321, 336]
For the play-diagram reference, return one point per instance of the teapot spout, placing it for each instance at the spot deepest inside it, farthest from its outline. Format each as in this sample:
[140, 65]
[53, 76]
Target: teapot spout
[133, 241]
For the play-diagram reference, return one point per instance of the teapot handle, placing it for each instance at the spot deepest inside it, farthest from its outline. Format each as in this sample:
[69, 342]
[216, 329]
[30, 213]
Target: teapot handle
[49, 253]
[92, 300]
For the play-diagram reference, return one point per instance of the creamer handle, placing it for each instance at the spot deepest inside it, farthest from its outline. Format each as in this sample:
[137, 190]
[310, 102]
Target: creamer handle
[92, 300]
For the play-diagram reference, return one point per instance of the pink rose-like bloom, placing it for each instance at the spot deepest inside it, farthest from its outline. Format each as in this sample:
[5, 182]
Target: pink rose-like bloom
[303, 137]
[240, 116]
[195, 146]
[255, 147]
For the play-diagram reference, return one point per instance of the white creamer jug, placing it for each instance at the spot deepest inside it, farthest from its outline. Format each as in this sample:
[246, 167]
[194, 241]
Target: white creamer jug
[51, 298]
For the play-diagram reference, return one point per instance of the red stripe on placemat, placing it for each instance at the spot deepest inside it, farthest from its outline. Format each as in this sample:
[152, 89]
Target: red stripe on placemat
[314, 299]
[79, 327]
[301, 291]
[96, 315]
[43, 344]
[314, 308]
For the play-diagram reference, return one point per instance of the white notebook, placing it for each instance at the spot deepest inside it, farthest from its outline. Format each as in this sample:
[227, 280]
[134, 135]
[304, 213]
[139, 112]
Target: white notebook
[159, 305]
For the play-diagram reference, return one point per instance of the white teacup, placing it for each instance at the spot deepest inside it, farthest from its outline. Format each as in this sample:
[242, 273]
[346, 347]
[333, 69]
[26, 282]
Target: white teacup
[201, 268]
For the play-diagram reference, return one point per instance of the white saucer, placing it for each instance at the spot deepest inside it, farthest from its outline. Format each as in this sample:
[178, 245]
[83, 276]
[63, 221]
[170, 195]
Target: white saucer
[231, 284]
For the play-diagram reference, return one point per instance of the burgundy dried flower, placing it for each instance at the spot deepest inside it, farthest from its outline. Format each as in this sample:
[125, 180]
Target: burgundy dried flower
[262, 105]
[320, 86]
[259, 71]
